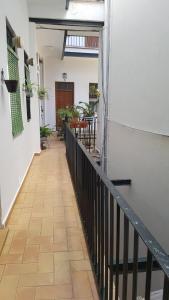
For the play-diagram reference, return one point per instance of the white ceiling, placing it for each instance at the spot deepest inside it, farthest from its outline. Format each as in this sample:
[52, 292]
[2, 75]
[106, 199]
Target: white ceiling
[50, 42]
[50, 38]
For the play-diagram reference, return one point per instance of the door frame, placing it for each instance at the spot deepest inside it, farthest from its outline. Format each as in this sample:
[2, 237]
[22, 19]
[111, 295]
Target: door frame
[56, 82]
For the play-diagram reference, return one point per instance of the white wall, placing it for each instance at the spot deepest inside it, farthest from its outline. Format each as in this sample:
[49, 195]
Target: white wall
[140, 64]
[138, 121]
[81, 71]
[15, 153]
[56, 10]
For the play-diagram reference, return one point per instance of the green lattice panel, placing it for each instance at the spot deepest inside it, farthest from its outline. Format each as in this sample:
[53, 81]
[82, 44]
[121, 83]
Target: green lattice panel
[15, 98]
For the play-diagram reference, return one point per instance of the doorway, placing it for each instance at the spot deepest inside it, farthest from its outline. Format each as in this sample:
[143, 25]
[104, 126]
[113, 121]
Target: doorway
[64, 96]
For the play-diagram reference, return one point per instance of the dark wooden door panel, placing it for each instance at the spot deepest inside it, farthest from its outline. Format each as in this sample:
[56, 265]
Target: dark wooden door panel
[64, 92]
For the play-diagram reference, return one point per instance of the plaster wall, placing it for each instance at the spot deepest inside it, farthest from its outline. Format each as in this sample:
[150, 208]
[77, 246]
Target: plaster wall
[81, 71]
[16, 153]
[138, 122]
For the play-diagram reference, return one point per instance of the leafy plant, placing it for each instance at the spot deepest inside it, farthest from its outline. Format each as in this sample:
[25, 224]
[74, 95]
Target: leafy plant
[74, 111]
[42, 92]
[64, 112]
[28, 87]
[69, 112]
[45, 131]
[87, 108]
[93, 91]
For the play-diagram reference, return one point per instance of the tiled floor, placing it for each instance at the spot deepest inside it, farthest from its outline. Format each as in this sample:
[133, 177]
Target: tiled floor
[45, 256]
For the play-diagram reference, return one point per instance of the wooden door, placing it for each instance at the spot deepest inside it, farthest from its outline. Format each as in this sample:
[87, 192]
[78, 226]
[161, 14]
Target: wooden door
[64, 96]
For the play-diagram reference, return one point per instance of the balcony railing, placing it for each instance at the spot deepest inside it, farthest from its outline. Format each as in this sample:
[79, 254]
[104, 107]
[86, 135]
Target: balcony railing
[84, 42]
[85, 131]
[127, 261]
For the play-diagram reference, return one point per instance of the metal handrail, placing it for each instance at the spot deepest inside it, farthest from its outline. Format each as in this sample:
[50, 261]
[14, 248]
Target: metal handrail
[107, 190]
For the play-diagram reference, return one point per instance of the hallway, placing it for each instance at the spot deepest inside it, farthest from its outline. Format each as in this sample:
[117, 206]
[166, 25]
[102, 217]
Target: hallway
[45, 256]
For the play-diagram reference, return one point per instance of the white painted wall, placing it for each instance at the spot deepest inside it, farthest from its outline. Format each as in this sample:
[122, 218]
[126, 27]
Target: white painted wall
[140, 64]
[138, 121]
[142, 157]
[15, 153]
[81, 71]
[56, 10]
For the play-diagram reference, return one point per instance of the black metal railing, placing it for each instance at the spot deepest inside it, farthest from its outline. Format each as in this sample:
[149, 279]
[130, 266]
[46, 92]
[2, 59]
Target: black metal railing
[127, 261]
[85, 131]
[86, 42]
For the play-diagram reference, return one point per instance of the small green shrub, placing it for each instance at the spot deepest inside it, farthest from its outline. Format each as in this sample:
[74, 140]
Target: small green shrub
[45, 131]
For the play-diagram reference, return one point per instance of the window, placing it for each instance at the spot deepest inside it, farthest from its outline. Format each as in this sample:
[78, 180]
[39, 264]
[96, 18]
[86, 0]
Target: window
[15, 98]
[93, 91]
[27, 80]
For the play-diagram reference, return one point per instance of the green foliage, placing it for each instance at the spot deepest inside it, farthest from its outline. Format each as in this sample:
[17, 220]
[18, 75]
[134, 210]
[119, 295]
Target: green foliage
[28, 87]
[69, 112]
[45, 131]
[74, 111]
[42, 92]
[64, 112]
[93, 91]
[87, 109]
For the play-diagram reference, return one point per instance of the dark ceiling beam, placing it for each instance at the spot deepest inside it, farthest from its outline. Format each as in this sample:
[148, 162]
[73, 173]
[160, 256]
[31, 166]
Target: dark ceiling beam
[67, 4]
[64, 44]
[81, 54]
[98, 24]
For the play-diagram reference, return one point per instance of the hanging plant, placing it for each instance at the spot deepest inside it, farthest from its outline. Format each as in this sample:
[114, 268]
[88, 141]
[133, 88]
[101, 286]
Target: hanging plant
[28, 88]
[11, 85]
[42, 93]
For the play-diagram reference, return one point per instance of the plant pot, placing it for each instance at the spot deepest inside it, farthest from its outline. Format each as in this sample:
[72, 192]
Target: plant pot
[11, 85]
[74, 124]
[42, 97]
[43, 141]
[83, 124]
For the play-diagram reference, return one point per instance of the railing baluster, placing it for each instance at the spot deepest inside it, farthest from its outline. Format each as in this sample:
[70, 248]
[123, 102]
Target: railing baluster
[117, 252]
[111, 246]
[135, 265]
[99, 229]
[106, 200]
[148, 275]
[102, 250]
[125, 258]
[95, 220]
[92, 213]
[166, 288]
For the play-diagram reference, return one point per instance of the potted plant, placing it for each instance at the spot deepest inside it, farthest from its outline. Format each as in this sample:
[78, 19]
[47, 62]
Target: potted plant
[75, 112]
[83, 124]
[87, 109]
[45, 131]
[74, 123]
[28, 88]
[65, 112]
[42, 93]
[11, 85]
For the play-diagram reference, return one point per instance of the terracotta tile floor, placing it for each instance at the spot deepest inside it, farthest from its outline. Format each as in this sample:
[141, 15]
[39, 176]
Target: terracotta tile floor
[45, 256]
